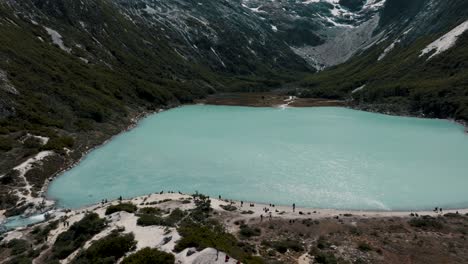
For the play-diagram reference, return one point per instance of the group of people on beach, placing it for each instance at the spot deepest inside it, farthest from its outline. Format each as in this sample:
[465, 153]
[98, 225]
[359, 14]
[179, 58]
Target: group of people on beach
[66, 223]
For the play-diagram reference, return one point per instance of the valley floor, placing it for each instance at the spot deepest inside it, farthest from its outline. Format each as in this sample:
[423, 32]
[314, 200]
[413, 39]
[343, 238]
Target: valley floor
[267, 99]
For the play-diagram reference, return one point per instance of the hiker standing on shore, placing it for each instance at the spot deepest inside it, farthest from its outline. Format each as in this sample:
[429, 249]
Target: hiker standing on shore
[294, 207]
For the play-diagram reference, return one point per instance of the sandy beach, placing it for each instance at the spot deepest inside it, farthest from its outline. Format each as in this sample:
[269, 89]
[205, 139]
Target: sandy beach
[165, 238]
[277, 211]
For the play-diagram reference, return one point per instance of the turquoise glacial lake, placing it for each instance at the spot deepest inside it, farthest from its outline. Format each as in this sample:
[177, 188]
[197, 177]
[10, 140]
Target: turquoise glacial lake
[314, 157]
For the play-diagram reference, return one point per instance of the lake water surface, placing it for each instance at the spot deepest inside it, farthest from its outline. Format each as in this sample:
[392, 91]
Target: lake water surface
[314, 157]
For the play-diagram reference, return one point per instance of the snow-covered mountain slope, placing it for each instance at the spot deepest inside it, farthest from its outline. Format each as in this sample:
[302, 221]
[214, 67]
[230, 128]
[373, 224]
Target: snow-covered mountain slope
[222, 34]
[323, 32]
[416, 62]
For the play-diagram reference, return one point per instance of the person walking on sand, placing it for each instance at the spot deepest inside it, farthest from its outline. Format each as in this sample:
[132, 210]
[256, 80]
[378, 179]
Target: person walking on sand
[242, 203]
[261, 218]
[294, 207]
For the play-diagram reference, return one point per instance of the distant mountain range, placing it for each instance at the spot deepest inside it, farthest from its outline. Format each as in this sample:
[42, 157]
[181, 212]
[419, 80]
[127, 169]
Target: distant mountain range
[77, 72]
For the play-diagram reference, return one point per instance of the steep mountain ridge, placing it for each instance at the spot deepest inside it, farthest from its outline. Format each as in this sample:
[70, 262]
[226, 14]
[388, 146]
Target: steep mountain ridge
[395, 75]
[325, 33]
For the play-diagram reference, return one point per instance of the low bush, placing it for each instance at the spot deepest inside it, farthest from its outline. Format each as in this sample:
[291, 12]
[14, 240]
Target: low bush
[426, 222]
[171, 220]
[212, 234]
[40, 233]
[149, 220]
[326, 258]
[18, 246]
[228, 207]
[282, 246]
[175, 217]
[322, 243]
[247, 232]
[20, 260]
[202, 207]
[32, 143]
[6, 144]
[121, 207]
[76, 236]
[453, 215]
[59, 143]
[149, 256]
[150, 210]
[108, 249]
[364, 247]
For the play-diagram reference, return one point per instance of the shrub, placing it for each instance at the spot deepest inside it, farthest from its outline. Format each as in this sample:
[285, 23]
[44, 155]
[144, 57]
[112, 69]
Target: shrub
[426, 222]
[175, 217]
[364, 247]
[149, 256]
[108, 249]
[6, 144]
[20, 260]
[171, 220]
[213, 235]
[289, 244]
[125, 207]
[326, 258]
[59, 143]
[149, 220]
[150, 210]
[32, 143]
[228, 207]
[248, 232]
[453, 215]
[282, 246]
[322, 243]
[40, 233]
[76, 236]
[18, 246]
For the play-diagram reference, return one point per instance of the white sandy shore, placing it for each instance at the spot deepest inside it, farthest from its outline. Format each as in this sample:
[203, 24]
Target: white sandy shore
[278, 211]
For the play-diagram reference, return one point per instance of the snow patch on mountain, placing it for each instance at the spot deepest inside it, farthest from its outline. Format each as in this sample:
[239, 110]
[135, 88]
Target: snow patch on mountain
[445, 42]
[57, 39]
[5, 83]
[392, 46]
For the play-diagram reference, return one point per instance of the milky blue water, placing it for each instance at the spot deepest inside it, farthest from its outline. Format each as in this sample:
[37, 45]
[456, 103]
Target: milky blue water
[314, 157]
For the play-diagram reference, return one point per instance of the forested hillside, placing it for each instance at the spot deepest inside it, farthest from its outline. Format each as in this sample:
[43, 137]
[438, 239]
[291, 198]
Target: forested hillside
[395, 76]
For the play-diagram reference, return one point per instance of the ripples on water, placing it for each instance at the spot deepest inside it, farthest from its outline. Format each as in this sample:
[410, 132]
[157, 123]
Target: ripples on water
[314, 157]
